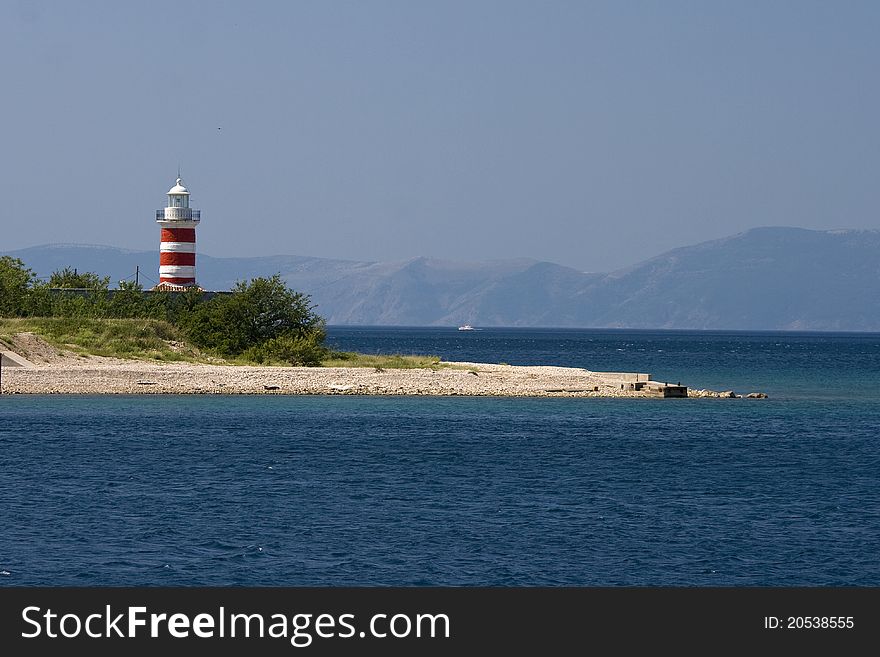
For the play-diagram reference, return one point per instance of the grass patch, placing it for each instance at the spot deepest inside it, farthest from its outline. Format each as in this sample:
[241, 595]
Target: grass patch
[155, 340]
[142, 339]
[382, 362]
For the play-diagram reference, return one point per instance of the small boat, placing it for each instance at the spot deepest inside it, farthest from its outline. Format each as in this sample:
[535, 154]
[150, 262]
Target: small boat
[466, 327]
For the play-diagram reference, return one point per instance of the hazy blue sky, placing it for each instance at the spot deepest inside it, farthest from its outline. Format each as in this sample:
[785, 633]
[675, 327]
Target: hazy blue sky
[592, 134]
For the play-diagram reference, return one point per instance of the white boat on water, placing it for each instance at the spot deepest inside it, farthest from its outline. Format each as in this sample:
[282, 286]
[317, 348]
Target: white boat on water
[466, 327]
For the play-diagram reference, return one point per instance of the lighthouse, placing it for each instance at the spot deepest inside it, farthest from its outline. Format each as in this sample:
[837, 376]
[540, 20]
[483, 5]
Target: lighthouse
[177, 249]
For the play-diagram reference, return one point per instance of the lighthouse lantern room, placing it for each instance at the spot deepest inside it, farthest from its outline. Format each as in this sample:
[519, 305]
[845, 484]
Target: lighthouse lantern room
[177, 249]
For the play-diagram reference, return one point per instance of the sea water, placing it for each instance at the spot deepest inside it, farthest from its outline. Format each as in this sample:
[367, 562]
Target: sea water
[348, 490]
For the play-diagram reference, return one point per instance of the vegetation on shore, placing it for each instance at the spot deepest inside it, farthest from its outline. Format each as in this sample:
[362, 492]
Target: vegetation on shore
[158, 340]
[147, 339]
[262, 321]
[381, 361]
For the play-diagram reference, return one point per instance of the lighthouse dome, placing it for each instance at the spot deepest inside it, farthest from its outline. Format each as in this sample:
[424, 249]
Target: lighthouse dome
[178, 188]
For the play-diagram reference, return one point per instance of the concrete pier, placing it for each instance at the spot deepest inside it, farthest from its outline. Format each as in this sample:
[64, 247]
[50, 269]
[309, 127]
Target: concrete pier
[12, 359]
[659, 389]
[643, 383]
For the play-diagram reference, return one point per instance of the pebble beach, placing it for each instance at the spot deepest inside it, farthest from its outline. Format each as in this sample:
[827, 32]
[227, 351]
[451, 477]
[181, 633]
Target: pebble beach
[114, 376]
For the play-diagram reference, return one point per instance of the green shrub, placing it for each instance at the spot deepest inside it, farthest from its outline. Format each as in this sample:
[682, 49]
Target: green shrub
[305, 350]
[256, 313]
[15, 279]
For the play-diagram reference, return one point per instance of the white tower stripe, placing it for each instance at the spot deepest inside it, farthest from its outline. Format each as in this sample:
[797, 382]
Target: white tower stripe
[178, 247]
[177, 271]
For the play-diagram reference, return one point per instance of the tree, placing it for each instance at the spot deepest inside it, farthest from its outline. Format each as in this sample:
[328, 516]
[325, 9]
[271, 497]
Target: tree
[131, 286]
[15, 279]
[71, 279]
[127, 301]
[255, 313]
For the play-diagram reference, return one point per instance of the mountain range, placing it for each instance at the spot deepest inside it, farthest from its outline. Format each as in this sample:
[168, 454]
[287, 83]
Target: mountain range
[762, 279]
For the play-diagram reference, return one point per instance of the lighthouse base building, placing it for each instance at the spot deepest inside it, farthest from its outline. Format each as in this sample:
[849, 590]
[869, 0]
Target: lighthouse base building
[177, 248]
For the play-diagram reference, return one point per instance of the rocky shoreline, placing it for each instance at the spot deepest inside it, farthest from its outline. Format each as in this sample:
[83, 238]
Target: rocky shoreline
[95, 375]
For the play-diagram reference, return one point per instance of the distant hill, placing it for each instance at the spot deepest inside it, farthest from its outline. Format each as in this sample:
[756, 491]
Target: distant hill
[766, 278]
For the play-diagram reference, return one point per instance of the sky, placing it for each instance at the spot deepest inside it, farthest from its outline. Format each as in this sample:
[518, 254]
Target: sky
[590, 134]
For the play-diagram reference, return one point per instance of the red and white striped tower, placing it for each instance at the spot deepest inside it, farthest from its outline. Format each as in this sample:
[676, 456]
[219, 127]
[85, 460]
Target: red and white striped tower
[177, 251]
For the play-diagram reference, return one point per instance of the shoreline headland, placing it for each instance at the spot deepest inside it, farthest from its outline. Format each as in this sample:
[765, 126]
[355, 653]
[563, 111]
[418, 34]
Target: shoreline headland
[99, 375]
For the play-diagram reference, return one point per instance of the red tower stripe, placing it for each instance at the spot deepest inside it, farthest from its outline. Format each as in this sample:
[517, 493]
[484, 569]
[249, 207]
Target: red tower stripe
[174, 258]
[178, 235]
[176, 281]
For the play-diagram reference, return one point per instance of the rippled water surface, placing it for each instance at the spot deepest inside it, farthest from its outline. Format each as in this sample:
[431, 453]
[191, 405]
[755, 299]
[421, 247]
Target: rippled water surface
[340, 490]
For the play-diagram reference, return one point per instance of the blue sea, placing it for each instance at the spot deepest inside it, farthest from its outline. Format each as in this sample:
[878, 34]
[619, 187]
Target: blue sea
[347, 490]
